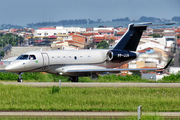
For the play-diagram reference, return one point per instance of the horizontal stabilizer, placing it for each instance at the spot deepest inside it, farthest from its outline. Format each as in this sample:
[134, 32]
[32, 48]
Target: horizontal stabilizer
[150, 24]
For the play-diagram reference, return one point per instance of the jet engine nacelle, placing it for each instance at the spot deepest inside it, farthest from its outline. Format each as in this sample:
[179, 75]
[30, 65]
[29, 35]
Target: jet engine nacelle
[121, 55]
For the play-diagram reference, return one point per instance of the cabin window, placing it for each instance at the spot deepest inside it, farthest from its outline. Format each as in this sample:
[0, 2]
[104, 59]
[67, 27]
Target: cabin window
[32, 57]
[75, 57]
[81, 57]
[89, 57]
[64, 57]
[69, 57]
[58, 57]
[52, 57]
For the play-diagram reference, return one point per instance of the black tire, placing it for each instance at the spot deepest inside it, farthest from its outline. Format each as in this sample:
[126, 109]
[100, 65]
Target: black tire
[20, 80]
[74, 79]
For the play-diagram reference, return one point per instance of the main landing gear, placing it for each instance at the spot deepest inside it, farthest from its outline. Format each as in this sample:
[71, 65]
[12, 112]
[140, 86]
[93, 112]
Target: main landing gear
[20, 77]
[73, 79]
[94, 76]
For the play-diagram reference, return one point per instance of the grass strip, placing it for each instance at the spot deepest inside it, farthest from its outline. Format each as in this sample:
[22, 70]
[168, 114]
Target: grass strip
[46, 77]
[88, 99]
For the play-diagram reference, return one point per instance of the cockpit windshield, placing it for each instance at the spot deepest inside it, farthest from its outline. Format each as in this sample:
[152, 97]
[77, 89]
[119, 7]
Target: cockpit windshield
[23, 57]
[26, 57]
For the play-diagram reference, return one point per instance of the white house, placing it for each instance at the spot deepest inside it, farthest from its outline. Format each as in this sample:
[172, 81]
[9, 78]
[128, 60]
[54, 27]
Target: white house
[45, 32]
[150, 44]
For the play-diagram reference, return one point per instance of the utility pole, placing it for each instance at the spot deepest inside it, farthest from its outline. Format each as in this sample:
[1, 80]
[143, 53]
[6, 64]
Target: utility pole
[2, 42]
[13, 37]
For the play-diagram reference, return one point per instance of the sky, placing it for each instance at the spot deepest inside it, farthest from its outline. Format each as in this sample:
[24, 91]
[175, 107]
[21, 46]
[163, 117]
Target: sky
[22, 12]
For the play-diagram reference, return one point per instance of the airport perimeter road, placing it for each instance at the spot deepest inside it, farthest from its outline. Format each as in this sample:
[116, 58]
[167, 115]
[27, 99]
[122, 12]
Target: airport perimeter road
[70, 84]
[87, 114]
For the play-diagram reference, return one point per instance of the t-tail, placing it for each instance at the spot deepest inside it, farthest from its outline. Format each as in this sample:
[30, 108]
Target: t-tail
[131, 38]
[125, 49]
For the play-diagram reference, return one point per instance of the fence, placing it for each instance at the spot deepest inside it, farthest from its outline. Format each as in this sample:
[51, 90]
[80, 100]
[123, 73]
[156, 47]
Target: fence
[6, 49]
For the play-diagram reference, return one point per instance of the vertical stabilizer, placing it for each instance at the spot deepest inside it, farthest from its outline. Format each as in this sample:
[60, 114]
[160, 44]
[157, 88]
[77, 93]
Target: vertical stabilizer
[131, 38]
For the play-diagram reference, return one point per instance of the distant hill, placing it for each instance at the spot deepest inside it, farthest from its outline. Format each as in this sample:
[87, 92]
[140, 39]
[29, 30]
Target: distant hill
[88, 23]
[7, 26]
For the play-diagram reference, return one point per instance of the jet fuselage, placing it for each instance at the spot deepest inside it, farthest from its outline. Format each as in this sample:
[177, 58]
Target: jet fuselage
[59, 61]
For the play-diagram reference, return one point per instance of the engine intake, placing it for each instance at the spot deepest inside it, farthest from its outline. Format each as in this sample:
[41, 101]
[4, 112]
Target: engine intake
[120, 55]
[109, 55]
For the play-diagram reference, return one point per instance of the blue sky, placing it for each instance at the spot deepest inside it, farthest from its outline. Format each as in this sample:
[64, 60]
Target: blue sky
[21, 12]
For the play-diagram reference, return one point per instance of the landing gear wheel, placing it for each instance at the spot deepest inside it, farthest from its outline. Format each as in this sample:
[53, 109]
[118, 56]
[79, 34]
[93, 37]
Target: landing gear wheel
[73, 79]
[20, 77]
[20, 80]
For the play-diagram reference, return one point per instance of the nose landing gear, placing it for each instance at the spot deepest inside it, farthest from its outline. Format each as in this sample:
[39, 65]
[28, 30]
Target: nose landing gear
[20, 77]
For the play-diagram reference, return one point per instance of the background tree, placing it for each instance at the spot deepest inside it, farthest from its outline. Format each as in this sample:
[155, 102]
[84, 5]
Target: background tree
[9, 38]
[2, 53]
[156, 35]
[103, 45]
[111, 41]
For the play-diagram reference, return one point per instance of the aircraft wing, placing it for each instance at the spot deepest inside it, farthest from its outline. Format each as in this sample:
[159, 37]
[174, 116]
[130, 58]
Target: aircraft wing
[113, 70]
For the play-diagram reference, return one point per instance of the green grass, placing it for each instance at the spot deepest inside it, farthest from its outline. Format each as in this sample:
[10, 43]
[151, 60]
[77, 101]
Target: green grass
[40, 77]
[89, 99]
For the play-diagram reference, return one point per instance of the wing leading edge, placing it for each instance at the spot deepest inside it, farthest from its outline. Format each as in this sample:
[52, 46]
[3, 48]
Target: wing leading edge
[114, 70]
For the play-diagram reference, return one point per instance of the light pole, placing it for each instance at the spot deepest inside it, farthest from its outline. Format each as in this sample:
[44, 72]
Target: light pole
[13, 37]
[2, 42]
[8, 41]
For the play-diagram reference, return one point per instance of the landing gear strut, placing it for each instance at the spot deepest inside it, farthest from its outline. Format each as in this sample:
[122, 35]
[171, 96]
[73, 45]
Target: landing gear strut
[20, 77]
[73, 79]
[94, 76]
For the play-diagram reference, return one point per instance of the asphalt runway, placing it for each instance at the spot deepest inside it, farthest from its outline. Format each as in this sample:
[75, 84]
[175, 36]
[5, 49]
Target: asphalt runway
[80, 84]
[86, 114]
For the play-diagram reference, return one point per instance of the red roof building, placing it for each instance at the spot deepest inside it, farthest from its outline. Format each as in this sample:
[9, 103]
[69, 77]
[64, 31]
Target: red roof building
[106, 32]
[178, 42]
[98, 39]
[142, 51]
[78, 38]
[120, 33]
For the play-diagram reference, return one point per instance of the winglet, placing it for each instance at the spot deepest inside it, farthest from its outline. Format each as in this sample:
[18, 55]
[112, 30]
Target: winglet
[167, 64]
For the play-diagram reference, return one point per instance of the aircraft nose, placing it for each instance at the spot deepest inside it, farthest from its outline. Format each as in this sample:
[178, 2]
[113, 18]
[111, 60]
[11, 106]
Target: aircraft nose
[11, 68]
[8, 68]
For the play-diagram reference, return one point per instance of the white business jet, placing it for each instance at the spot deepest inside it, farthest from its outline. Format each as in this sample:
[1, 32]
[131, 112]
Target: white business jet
[79, 63]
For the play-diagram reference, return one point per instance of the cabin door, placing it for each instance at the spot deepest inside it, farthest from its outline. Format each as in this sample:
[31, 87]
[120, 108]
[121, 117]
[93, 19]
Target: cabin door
[45, 60]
